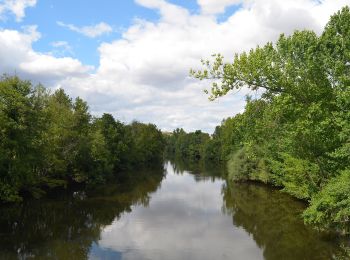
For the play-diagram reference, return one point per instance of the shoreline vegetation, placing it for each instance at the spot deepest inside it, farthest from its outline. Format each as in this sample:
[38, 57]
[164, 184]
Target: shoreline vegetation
[295, 136]
[50, 141]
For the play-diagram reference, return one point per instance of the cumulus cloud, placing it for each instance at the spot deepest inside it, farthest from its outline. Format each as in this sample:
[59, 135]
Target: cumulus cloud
[92, 31]
[169, 12]
[146, 70]
[216, 6]
[143, 75]
[16, 7]
[18, 56]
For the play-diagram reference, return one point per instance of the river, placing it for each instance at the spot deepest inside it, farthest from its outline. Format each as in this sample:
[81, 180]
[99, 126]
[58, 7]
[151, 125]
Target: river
[180, 212]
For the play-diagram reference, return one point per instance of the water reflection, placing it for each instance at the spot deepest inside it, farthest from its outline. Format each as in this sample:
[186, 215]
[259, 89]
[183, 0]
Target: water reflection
[189, 213]
[65, 228]
[201, 170]
[273, 220]
[183, 221]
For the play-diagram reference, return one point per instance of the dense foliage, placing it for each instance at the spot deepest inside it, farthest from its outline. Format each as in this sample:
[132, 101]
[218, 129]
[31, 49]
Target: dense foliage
[296, 135]
[49, 140]
[190, 146]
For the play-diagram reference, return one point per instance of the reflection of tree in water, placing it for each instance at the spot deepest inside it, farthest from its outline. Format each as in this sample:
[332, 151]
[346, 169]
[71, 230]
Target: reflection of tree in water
[66, 228]
[201, 170]
[273, 220]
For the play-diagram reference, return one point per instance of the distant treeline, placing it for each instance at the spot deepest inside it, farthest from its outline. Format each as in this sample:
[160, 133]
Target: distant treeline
[49, 140]
[190, 146]
[297, 134]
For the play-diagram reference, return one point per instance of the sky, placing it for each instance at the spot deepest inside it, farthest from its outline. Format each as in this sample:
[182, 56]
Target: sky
[131, 58]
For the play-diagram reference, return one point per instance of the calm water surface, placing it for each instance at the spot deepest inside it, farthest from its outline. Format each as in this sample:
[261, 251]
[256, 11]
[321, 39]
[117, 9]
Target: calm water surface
[183, 212]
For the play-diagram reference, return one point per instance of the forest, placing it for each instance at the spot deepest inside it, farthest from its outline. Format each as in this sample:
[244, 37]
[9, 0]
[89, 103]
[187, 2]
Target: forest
[296, 135]
[48, 140]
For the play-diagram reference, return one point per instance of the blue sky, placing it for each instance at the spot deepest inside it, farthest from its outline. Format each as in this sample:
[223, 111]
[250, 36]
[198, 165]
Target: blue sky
[46, 14]
[131, 58]
[118, 14]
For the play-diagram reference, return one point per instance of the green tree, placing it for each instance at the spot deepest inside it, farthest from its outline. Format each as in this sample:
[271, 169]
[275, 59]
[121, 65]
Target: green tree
[296, 134]
[49, 140]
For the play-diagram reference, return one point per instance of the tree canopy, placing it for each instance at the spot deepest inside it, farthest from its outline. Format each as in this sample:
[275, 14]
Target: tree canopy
[296, 135]
[49, 140]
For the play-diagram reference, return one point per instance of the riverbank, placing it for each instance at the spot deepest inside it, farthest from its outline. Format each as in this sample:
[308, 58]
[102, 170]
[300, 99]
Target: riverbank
[189, 205]
[49, 140]
[294, 131]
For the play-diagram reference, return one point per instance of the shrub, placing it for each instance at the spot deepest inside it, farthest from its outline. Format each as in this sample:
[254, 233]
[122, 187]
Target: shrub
[330, 208]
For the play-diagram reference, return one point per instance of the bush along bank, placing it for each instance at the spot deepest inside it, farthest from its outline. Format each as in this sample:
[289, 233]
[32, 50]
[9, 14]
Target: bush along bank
[296, 135]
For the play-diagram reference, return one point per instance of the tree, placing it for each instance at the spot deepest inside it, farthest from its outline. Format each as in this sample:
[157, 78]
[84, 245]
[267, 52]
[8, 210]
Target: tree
[296, 134]
[49, 140]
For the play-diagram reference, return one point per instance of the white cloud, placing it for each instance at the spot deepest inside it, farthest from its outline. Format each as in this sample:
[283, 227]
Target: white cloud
[169, 12]
[16, 7]
[144, 74]
[216, 6]
[146, 71]
[62, 48]
[17, 55]
[92, 31]
[60, 44]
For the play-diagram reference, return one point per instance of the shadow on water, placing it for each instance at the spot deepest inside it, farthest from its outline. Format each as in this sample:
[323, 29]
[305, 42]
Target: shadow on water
[66, 227]
[201, 170]
[273, 219]
[191, 212]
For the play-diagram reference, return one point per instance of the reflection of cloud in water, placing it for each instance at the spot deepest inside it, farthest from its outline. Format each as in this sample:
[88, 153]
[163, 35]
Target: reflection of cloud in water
[183, 221]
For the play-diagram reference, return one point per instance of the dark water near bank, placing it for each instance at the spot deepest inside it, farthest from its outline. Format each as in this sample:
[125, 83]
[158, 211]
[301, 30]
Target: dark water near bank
[172, 214]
